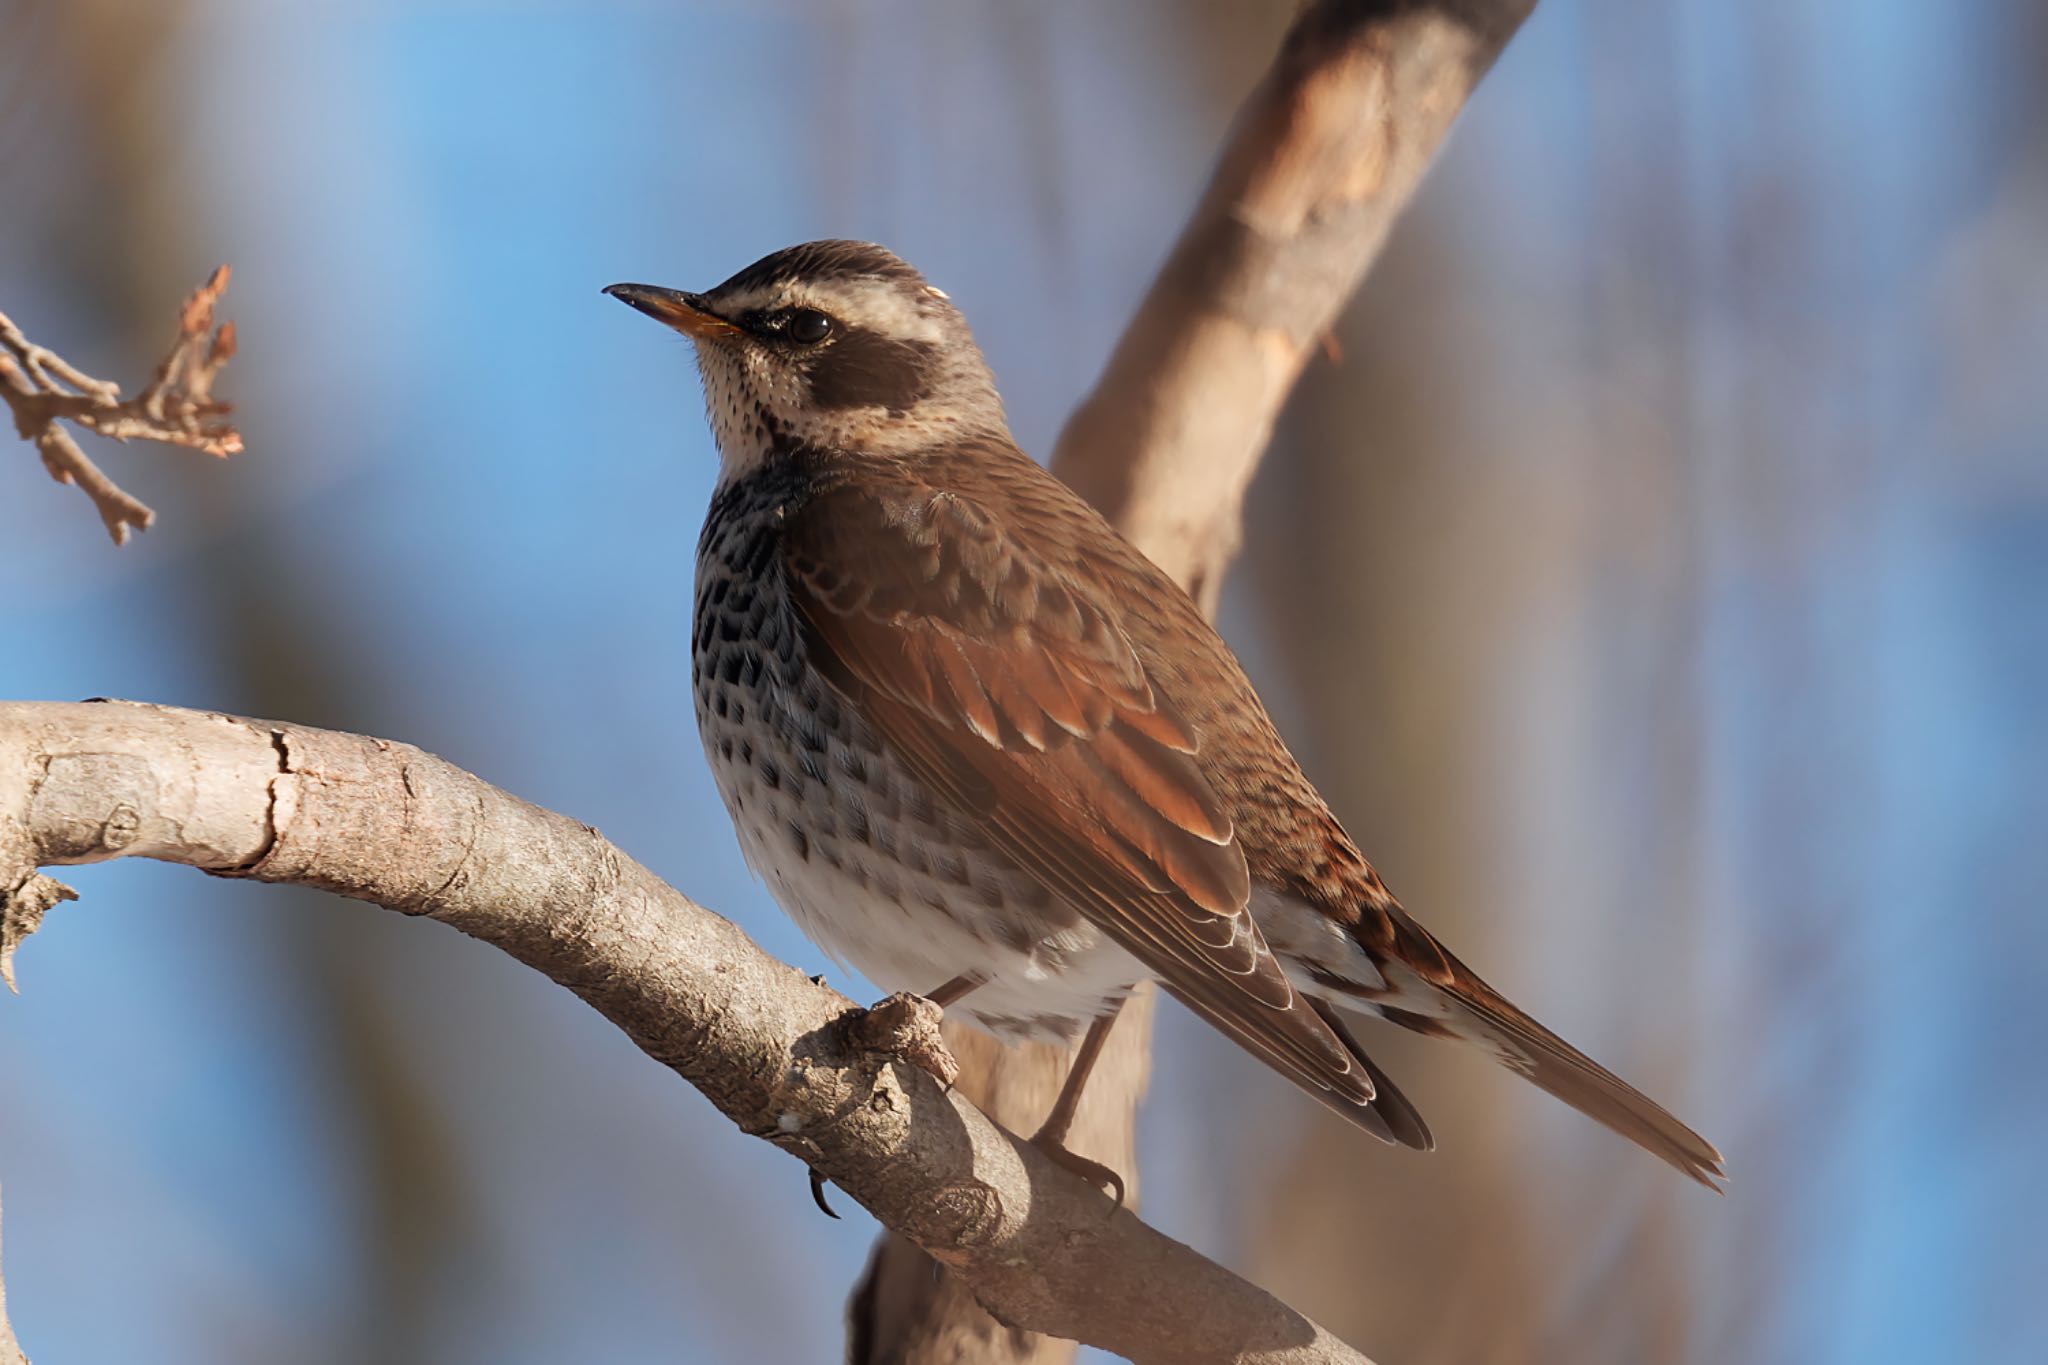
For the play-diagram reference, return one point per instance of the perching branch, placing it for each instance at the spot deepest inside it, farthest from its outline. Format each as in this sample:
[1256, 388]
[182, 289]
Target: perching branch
[176, 407]
[1327, 151]
[778, 1053]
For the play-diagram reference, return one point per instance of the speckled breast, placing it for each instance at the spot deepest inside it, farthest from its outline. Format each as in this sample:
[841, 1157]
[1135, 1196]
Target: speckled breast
[873, 866]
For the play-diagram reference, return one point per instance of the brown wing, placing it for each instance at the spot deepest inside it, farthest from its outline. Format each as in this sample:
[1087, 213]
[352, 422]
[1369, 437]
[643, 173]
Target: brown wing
[1009, 686]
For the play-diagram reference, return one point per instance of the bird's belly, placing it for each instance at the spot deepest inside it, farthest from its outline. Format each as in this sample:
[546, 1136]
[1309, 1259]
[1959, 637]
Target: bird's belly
[875, 868]
[886, 921]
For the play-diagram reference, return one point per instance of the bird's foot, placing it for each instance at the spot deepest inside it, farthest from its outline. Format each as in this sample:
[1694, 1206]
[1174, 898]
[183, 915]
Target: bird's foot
[1094, 1172]
[906, 1026]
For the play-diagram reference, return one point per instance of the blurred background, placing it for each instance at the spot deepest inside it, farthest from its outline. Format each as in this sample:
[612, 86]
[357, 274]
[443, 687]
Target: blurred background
[1658, 586]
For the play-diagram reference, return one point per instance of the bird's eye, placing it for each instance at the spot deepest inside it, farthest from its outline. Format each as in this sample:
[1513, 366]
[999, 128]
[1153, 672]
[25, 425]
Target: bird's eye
[808, 326]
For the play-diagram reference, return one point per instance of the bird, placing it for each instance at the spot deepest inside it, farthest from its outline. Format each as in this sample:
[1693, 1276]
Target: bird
[982, 750]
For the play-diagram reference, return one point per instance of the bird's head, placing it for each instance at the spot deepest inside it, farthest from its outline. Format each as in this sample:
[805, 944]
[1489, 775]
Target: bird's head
[828, 346]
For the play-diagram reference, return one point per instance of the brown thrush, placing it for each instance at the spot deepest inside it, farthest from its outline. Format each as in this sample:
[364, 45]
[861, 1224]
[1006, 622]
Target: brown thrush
[982, 748]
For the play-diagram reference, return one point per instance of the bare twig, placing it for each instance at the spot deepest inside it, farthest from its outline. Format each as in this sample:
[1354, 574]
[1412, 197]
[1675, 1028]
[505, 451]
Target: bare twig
[775, 1051]
[1325, 154]
[176, 407]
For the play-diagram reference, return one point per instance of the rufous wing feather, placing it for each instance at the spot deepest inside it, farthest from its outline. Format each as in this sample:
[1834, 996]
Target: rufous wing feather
[1012, 690]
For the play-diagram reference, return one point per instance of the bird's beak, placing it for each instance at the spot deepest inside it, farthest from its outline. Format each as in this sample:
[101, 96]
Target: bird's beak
[686, 313]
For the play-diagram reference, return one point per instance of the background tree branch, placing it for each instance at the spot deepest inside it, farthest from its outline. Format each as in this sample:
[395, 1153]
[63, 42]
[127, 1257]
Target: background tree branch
[781, 1055]
[1326, 152]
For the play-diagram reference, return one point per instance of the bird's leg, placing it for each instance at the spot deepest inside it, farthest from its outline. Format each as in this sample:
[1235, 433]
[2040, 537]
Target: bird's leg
[1051, 1137]
[954, 989]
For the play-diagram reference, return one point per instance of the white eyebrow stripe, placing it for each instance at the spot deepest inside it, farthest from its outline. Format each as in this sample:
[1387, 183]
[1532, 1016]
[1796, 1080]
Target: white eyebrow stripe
[865, 301]
[877, 305]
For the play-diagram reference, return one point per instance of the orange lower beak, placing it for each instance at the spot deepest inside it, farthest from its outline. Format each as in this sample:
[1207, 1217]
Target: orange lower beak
[672, 307]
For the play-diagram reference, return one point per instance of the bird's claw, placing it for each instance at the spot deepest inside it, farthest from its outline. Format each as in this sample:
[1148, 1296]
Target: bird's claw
[818, 1194]
[1094, 1172]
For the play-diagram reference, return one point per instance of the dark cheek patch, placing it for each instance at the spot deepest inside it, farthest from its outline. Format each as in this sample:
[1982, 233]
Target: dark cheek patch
[865, 370]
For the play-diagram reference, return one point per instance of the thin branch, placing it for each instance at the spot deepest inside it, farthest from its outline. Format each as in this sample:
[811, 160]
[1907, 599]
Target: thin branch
[779, 1054]
[176, 407]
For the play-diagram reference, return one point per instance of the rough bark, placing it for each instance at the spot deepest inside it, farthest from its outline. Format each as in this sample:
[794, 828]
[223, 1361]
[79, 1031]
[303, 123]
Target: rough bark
[1324, 155]
[901, 1312]
[786, 1058]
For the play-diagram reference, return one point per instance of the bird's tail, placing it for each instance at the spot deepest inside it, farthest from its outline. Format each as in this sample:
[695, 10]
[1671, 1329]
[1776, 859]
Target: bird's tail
[1463, 1006]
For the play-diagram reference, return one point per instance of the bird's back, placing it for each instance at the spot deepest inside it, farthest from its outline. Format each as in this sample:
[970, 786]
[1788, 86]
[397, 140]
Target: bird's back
[1292, 842]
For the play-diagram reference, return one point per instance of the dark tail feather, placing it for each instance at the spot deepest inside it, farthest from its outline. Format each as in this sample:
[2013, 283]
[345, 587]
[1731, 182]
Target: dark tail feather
[1525, 1046]
[1464, 1006]
[1397, 1118]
